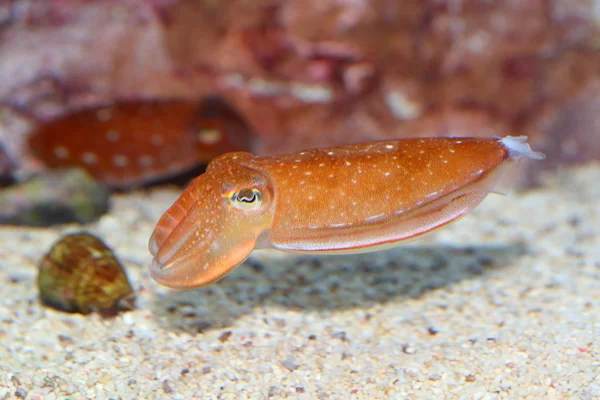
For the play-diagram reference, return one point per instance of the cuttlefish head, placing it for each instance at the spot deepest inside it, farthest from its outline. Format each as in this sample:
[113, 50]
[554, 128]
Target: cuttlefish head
[212, 227]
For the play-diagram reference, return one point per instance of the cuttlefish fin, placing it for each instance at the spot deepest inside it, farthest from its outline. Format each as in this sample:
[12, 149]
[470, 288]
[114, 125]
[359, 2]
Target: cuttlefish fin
[389, 192]
[518, 151]
[518, 148]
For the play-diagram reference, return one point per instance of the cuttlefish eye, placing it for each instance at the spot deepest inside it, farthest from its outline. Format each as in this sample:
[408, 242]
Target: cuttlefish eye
[246, 199]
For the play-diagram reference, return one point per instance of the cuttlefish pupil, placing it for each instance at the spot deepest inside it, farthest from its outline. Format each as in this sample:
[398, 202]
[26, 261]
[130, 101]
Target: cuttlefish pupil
[400, 189]
[246, 199]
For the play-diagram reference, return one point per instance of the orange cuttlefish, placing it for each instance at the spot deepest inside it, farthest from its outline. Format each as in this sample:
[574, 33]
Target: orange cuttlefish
[349, 199]
[130, 143]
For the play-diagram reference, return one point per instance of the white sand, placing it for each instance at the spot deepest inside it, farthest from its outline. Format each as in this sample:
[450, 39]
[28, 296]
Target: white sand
[503, 304]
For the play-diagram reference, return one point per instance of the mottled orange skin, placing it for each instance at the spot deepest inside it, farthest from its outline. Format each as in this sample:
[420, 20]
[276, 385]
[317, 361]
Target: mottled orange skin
[362, 187]
[134, 142]
[348, 199]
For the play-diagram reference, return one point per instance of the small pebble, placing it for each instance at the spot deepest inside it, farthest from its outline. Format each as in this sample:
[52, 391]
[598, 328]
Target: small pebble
[290, 364]
[225, 336]
[166, 385]
[21, 393]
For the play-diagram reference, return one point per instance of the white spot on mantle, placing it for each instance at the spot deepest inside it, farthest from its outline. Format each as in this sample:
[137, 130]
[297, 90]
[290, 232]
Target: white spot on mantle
[145, 161]
[120, 160]
[113, 136]
[89, 158]
[61, 152]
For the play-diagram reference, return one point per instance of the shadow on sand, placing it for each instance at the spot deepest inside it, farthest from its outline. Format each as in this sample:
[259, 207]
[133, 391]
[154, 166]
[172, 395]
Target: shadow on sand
[328, 283]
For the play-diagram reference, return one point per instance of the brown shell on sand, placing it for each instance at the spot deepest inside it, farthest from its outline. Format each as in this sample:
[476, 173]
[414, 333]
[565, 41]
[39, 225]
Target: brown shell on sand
[81, 274]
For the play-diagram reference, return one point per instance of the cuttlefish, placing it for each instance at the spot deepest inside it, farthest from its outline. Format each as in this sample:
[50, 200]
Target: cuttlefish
[133, 142]
[349, 199]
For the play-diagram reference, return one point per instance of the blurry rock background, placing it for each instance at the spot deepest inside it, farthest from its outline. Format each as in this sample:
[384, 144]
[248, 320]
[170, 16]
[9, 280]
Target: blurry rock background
[306, 73]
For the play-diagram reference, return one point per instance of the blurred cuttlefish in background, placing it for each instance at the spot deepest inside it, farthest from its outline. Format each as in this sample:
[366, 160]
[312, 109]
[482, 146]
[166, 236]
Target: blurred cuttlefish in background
[349, 199]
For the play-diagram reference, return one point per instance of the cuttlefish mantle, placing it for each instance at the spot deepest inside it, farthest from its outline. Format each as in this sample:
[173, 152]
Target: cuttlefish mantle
[355, 198]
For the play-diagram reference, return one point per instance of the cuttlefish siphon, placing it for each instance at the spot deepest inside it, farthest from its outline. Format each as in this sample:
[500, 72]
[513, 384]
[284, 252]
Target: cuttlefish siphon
[355, 198]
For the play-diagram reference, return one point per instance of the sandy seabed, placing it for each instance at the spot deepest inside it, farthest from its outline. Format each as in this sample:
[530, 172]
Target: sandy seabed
[504, 304]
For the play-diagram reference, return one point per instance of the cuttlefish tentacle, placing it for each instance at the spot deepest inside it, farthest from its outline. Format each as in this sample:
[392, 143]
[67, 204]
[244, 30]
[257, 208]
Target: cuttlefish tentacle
[213, 227]
[178, 211]
[354, 198]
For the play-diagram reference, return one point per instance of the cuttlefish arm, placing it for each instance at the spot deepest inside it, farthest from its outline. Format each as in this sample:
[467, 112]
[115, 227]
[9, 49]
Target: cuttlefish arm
[354, 198]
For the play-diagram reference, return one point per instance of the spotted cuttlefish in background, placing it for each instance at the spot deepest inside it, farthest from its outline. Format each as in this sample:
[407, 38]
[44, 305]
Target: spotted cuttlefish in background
[131, 143]
[355, 198]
